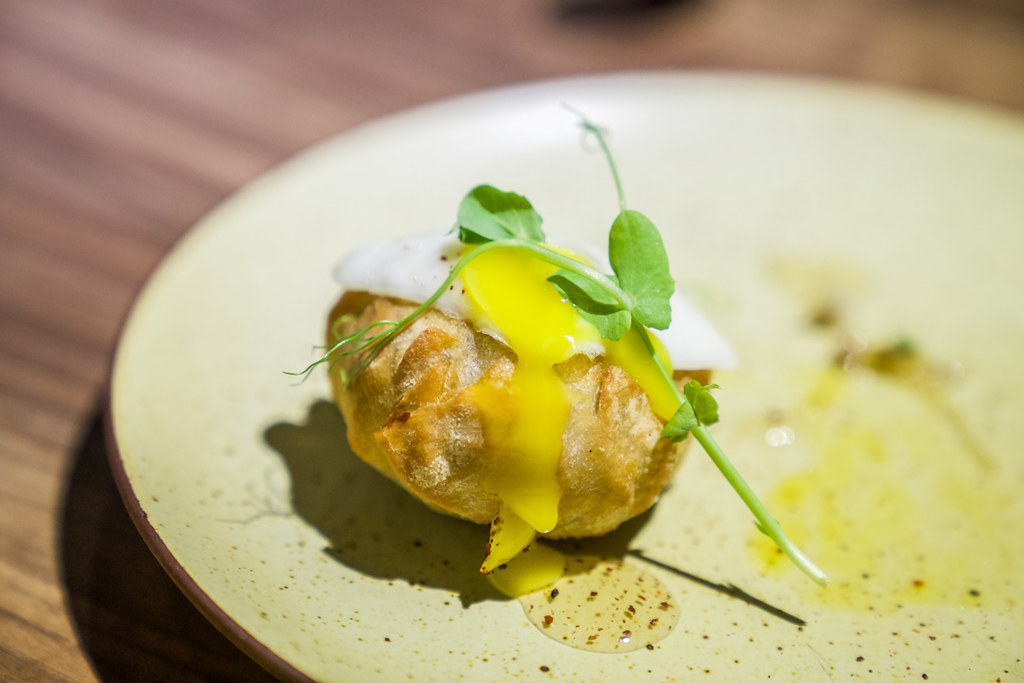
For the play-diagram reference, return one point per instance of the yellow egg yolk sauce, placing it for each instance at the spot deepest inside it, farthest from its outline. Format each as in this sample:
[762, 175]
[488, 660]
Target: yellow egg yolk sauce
[524, 418]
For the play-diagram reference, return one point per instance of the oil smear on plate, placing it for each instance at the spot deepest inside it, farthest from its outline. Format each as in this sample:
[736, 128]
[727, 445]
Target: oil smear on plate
[903, 501]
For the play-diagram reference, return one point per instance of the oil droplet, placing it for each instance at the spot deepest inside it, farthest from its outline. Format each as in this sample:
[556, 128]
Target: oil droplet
[604, 605]
[779, 436]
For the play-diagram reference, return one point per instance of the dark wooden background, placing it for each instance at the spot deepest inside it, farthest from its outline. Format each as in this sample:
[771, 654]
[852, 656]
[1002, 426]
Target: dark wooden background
[123, 121]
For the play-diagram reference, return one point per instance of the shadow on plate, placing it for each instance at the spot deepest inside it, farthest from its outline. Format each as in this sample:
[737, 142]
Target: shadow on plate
[374, 527]
[132, 621]
[371, 524]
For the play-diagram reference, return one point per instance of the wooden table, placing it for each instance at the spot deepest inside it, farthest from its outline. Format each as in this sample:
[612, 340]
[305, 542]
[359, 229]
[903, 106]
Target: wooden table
[122, 122]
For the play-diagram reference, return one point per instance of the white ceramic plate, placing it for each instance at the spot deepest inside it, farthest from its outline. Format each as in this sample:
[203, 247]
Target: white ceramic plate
[881, 216]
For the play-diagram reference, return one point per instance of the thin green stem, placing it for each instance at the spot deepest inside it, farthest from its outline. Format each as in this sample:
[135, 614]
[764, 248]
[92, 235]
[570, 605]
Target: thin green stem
[766, 523]
[366, 342]
[596, 131]
[555, 258]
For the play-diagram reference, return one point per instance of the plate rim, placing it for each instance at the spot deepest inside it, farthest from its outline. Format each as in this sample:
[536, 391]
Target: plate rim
[245, 641]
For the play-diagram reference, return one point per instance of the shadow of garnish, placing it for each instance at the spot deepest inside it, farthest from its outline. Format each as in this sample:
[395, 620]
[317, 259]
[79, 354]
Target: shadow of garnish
[370, 523]
[587, 553]
[730, 589]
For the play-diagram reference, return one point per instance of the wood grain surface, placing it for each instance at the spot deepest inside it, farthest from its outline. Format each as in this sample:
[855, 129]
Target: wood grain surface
[123, 121]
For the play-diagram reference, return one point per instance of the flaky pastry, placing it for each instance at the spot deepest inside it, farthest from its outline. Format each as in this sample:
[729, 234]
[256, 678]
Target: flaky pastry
[411, 414]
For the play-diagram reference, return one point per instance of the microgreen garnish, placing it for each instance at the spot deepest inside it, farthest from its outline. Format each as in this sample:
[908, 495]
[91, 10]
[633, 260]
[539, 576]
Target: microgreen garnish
[636, 296]
[593, 303]
[699, 408]
[640, 263]
[488, 214]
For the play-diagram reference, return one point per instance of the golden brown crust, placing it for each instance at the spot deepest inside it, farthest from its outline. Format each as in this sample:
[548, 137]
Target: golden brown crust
[410, 414]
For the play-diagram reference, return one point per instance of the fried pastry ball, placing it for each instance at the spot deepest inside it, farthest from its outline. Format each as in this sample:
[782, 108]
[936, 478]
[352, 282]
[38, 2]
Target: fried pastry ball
[412, 414]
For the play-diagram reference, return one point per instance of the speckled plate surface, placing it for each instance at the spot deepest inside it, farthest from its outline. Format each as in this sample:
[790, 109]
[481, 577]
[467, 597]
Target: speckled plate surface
[861, 248]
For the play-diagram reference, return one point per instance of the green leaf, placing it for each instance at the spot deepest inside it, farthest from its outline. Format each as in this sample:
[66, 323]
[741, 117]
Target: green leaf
[586, 293]
[681, 423]
[699, 408]
[594, 303]
[487, 214]
[638, 257]
[610, 325]
[704, 404]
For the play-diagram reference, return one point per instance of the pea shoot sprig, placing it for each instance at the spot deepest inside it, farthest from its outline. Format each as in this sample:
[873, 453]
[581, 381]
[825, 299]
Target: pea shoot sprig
[635, 297]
